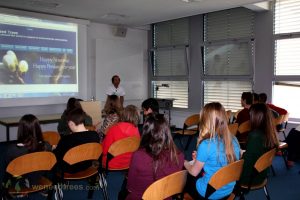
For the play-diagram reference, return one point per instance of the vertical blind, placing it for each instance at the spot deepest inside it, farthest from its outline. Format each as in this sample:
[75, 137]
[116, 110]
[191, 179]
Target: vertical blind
[169, 61]
[228, 56]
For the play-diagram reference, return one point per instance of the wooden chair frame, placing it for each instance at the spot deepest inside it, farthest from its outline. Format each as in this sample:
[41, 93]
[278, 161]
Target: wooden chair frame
[282, 121]
[52, 137]
[28, 163]
[263, 162]
[125, 145]
[243, 129]
[190, 128]
[84, 152]
[166, 186]
[233, 128]
[223, 176]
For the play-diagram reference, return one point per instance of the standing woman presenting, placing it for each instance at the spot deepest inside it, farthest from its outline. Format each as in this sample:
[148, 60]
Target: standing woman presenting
[217, 147]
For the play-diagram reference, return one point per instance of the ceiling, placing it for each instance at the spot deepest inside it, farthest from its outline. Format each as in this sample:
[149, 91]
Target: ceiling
[130, 13]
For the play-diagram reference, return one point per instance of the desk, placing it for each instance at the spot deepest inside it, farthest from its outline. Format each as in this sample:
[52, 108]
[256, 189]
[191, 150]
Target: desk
[14, 121]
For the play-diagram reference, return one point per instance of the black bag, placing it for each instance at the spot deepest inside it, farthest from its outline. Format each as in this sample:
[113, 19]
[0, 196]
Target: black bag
[293, 141]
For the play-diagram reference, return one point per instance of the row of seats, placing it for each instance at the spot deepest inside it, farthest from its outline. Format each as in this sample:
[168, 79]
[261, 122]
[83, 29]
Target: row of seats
[174, 183]
[45, 161]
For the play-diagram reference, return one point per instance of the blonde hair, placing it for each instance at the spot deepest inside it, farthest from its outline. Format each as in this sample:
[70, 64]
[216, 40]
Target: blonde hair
[213, 125]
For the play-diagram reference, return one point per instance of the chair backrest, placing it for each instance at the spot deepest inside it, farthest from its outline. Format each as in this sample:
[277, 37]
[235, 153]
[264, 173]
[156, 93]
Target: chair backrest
[32, 162]
[191, 121]
[52, 137]
[129, 144]
[228, 114]
[244, 127]
[265, 160]
[166, 186]
[224, 176]
[83, 152]
[233, 128]
[125, 145]
[90, 128]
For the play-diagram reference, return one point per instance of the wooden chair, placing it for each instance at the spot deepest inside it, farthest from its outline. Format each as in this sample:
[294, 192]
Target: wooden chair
[243, 131]
[283, 148]
[228, 115]
[224, 176]
[52, 137]
[261, 164]
[189, 129]
[32, 162]
[126, 145]
[166, 186]
[233, 128]
[90, 128]
[84, 152]
[281, 124]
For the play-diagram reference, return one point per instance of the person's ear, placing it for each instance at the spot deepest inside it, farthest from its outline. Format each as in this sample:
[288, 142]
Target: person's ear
[71, 124]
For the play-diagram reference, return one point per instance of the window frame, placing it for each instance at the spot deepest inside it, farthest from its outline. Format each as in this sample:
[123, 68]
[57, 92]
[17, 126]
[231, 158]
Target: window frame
[153, 77]
[282, 78]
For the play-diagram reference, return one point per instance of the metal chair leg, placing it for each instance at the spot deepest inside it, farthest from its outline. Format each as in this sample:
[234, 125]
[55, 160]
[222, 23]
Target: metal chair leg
[267, 193]
[103, 186]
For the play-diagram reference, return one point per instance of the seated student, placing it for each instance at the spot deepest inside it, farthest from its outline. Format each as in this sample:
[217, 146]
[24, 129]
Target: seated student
[217, 147]
[275, 109]
[255, 98]
[263, 99]
[127, 127]
[246, 102]
[261, 138]
[293, 141]
[62, 126]
[79, 135]
[150, 106]
[157, 158]
[111, 114]
[29, 139]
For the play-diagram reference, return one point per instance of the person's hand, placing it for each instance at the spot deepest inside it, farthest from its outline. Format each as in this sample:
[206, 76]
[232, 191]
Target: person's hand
[194, 155]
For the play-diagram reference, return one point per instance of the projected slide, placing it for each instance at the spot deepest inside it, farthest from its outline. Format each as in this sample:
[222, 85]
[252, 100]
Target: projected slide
[38, 58]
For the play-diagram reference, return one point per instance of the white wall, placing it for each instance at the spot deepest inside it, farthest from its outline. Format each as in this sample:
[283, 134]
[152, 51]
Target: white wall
[125, 56]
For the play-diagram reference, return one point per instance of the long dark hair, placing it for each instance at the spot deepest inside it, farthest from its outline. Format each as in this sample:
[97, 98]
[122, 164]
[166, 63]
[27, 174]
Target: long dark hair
[261, 119]
[158, 142]
[30, 133]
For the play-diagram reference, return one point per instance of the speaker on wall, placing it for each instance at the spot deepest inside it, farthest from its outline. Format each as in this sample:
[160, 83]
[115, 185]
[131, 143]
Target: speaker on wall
[120, 31]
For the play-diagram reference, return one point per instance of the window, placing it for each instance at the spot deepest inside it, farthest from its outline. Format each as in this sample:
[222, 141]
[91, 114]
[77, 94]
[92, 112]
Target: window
[286, 30]
[169, 61]
[228, 56]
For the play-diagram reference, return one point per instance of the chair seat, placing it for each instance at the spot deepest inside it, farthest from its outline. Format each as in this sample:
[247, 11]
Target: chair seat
[42, 184]
[186, 132]
[283, 145]
[255, 187]
[82, 174]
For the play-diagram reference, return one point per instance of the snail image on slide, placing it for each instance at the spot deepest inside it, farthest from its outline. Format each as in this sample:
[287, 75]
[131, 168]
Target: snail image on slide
[13, 69]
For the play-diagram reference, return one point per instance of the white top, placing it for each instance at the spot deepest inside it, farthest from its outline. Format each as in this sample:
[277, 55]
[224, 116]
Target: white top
[111, 90]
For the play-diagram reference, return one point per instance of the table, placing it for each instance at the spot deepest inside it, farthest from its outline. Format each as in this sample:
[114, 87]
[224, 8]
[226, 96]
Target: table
[14, 121]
